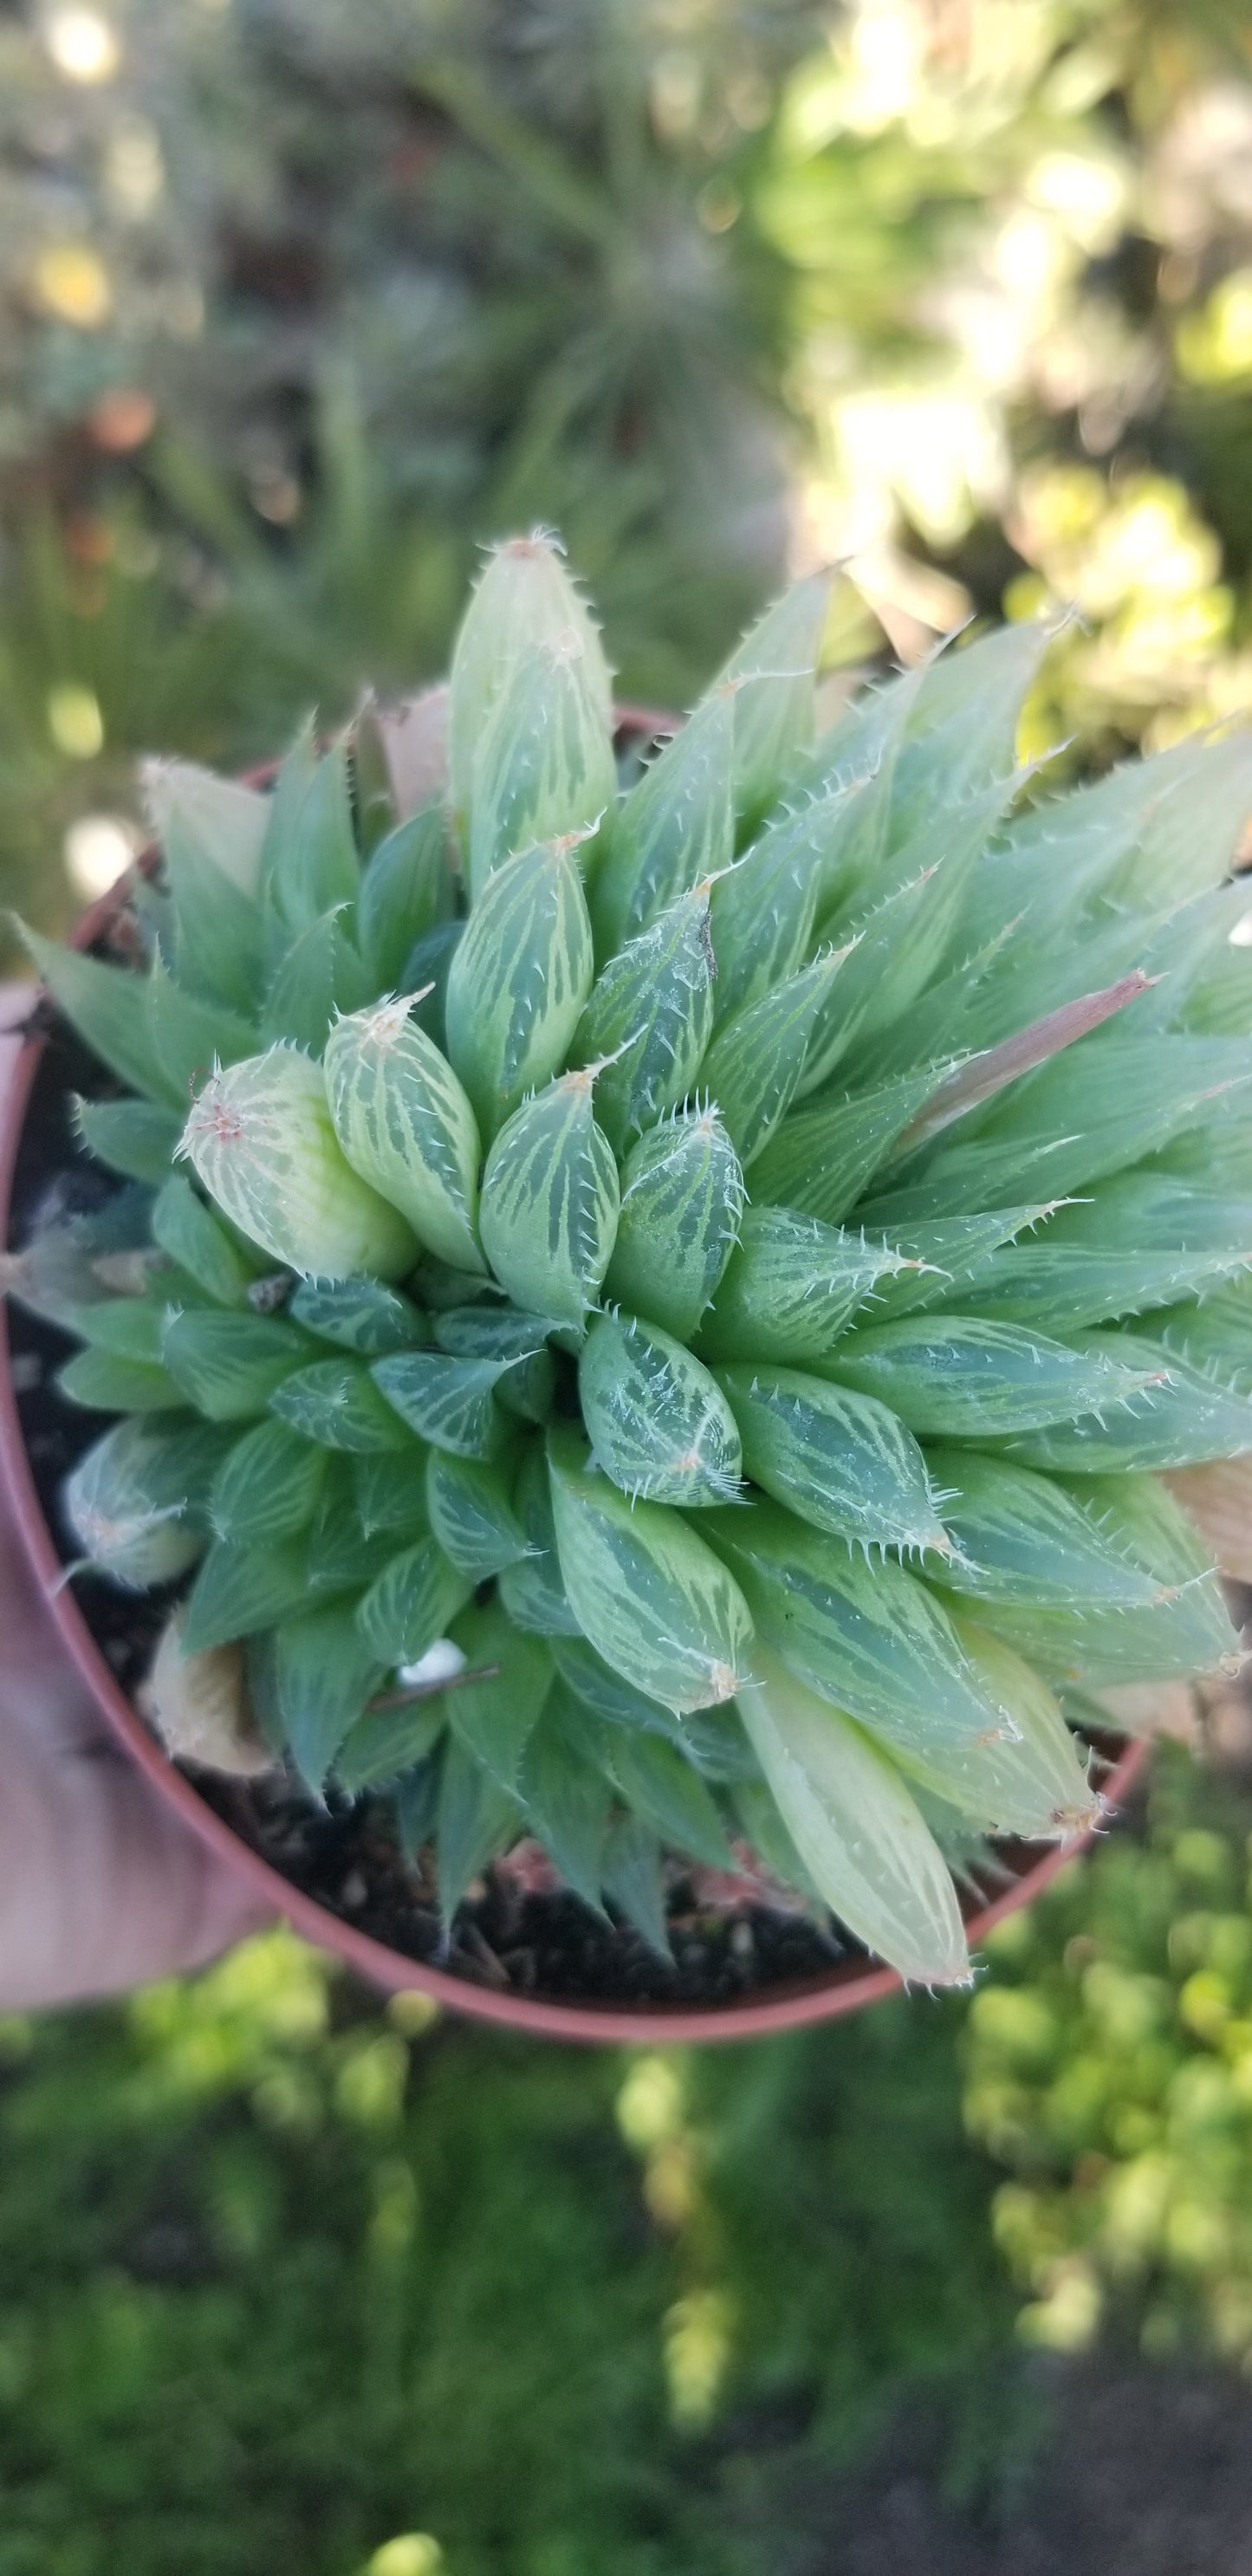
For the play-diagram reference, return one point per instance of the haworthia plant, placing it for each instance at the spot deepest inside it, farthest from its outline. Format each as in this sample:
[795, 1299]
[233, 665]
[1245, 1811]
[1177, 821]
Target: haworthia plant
[726, 1259]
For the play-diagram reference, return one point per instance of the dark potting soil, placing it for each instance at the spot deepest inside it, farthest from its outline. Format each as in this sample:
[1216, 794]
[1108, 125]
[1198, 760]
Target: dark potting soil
[345, 1854]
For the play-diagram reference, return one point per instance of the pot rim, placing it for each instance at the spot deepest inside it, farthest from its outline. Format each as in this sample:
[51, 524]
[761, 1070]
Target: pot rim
[841, 1990]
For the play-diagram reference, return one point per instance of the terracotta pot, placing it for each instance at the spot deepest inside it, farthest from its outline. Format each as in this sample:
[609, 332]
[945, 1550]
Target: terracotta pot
[843, 1988]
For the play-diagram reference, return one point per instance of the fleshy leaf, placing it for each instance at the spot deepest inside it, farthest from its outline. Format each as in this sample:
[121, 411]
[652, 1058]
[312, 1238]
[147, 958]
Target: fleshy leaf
[324, 1671]
[543, 763]
[775, 670]
[649, 1020]
[841, 1461]
[260, 1139]
[870, 1639]
[358, 1315]
[193, 1238]
[524, 599]
[1182, 1417]
[675, 826]
[405, 1124]
[682, 1204]
[550, 1202]
[649, 1594]
[229, 1365]
[519, 980]
[662, 1787]
[792, 1286]
[567, 1798]
[472, 1516]
[336, 1403]
[1032, 1781]
[494, 1716]
[411, 1603]
[1023, 1537]
[753, 1068]
[138, 1138]
[407, 890]
[448, 1401]
[658, 1423]
[856, 1828]
[268, 1486]
[960, 1377]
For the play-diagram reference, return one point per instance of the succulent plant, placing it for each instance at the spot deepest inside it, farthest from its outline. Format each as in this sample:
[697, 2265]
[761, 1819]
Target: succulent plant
[668, 1320]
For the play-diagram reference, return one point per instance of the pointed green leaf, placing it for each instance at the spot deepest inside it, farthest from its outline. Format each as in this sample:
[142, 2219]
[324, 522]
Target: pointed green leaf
[268, 1485]
[946, 1261]
[761, 912]
[792, 1286]
[218, 824]
[657, 1422]
[494, 1716]
[823, 1156]
[448, 1401]
[1182, 1416]
[532, 1591]
[649, 1020]
[106, 1006]
[324, 1671]
[664, 1791]
[107, 1382]
[566, 1797]
[189, 1232]
[524, 599]
[260, 1139]
[389, 1491]
[682, 1202]
[407, 890]
[411, 1603]
[320, 975]
[631, 1879]
[130, 1520]
[471, 1514]
[675, 827]
[309, 862]
[543, 763]
[528, 1385]
[358, 1315]
[1032, 1782]
[336, 1403]
[648, 1593]
[189, 1036]
[755, 1065]
[241, 1589]
[775, 670]
[856, 1828]
[871, 1639]
[228, 1365]
[839, 1460]
[968, 1378]
[386, 1742]
[138, 1138]
[406, 1126]
[220, 934]
[550, 1202]
[477, 1819]
[1022, 1537]
[519, 980]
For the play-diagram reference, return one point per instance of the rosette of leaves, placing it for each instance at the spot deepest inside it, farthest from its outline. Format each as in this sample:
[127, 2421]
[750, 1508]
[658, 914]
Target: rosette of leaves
[669, 1322]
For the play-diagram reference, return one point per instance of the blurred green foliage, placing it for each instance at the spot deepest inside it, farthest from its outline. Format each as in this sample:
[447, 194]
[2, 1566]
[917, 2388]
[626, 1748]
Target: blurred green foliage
[302, 304]
[288, 2271]
[286, 2266]
[1109, 2067]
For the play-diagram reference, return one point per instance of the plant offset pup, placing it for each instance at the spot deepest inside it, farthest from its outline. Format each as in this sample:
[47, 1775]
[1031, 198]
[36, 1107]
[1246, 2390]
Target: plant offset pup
[729, 1260]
